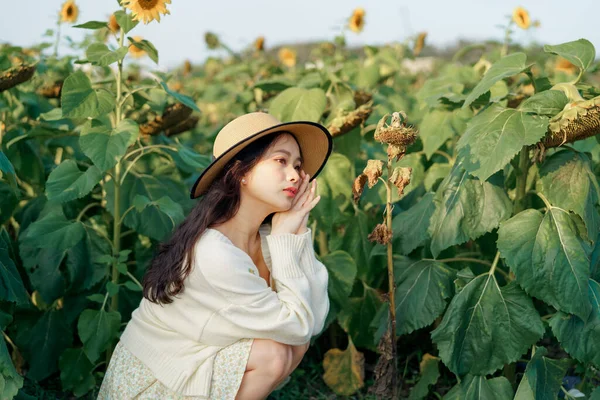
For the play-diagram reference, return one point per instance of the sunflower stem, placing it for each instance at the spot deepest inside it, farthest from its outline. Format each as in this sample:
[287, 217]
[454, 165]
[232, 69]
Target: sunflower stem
[57, 38]
[391, 280]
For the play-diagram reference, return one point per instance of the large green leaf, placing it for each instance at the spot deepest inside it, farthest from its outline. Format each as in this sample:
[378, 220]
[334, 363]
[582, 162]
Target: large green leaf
[164, 204]
[50, 336]
[342, 272]
[479, 387]
[182, 98]
[76, 372]
[438, 126]
[78, 98]
[548, 102]
[5, 165]
[495, 135]
[97, 329]
[125, 21]
[581, 338]
[579, 52]
[357, 316]
[146, 46]
[449, 85]
[66, 182]
[105, 146]
[92, 25]
[422, 288]
[410, 227]
[355, 242]
[43, 269]
[507, 66]
[549, 259]
[335, 189]
[568, 182]
[152, 221]
[466, 208]
[297, 104]
[486, 327]
[11, 285]
[53, 231]
[430, 372]
[10, 380]
[543, 377]
[99, 54]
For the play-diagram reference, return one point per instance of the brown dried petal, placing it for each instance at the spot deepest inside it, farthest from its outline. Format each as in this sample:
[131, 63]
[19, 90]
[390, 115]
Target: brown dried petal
[186, 125]
[173, 115]
[401, 178]
[358, 186]
[395, 152]
[373, 171]
[361, 97]
[381, 234]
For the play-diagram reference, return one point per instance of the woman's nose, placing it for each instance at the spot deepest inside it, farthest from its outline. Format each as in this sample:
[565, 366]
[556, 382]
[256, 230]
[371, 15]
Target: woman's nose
[293, 176]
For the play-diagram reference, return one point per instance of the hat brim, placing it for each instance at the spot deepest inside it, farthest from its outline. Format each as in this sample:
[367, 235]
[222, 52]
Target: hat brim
[315, 143]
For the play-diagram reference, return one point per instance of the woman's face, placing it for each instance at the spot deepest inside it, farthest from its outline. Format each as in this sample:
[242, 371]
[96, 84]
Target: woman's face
[276, 177]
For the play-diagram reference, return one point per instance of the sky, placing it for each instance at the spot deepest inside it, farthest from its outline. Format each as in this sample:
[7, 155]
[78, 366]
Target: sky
[180, 35]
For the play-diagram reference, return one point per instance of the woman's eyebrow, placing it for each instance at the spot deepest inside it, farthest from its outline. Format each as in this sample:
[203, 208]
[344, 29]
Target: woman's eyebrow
[288, 153]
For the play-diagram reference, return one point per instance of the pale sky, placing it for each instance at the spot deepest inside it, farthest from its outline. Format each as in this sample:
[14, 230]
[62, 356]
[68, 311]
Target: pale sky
[180, 36]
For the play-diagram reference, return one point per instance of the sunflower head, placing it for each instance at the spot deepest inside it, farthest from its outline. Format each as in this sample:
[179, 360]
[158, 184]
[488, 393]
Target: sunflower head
[212, 40]
[521, 18]
[69, 12]
[287, 57]
[147, 10]
[187, 67]
[562, 64]
[113, 25]
[419, 43]
[356, 23]
[259, 43]
[135, 51]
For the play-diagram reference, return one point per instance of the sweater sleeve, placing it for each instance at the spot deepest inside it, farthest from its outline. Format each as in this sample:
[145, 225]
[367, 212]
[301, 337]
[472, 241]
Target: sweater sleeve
[254, 309]
[318, 279]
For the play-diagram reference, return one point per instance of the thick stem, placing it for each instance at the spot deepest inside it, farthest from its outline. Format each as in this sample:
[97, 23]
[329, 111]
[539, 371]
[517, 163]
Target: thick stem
[391, 281]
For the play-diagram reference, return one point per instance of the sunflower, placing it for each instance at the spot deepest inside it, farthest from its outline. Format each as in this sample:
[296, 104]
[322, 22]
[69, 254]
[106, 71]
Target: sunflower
[562, 64]
[287, 57]
[147, 10]
[419, 43]
[187, 67]
[521, 18]
[113, 25]
[259, 43]
[135, 51]
[357, 20]
[69, 12]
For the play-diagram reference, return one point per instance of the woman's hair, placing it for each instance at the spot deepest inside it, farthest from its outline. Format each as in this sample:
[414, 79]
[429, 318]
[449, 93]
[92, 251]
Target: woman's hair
[166, 273]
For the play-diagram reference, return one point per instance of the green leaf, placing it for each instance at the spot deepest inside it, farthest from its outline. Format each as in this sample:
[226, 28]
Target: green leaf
[466, 208]
[5, 165]
[147, 46]
[92, 25]
[368, 76]
[568, 181]
[125, 21]
[357, 315]
[344, 370]
[430, 372]
[97, 329]
[435, 130]
[581, 338]
[410, 227]
[10, 380]
[53, 231]
[548, 258]
[11, 285]
[297, 104]
[422, 288]
[335, 188]
[104, 146]
[580, 52]
[66, 182]
[99, 54]
[112, 288]
[342, 272]
[355, 242]
[495, 135]
[507, 66]
[486, 327]
[450, 85]
[273, 85]
[186, 100]
[543, 377]
[435, 174]
[50, 336]
[478, 387]
[133, 286]
[76, 372]
[549, 103]
[97, 298]
[78, 99]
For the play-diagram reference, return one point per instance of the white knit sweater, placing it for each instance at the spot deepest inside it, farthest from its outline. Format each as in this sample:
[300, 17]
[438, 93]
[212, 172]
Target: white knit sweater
[224, 300]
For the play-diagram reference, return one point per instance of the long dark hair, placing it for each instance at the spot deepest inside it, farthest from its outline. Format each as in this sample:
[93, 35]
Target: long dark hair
[166, 273]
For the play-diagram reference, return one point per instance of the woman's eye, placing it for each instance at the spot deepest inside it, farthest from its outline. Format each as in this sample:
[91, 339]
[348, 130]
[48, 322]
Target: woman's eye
[298, 168]
[281, 159]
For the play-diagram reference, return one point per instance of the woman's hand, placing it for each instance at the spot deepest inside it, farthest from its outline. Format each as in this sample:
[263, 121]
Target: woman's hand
[295, 219]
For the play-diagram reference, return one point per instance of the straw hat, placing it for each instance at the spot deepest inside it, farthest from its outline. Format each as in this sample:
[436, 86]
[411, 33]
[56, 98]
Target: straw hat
[314, 140]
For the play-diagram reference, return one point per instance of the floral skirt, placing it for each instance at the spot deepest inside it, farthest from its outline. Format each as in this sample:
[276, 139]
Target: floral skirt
[128, 378]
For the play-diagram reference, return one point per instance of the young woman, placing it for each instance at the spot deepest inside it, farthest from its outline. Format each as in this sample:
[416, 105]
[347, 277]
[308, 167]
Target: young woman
[233, 298]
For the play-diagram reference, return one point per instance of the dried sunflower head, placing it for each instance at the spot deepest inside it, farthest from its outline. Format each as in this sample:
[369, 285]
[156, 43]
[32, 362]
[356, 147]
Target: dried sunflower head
[69, 12]
[381, 234]
[396, 134]
[356, 23]
[521, 18]
[147, 10]
[345, 122]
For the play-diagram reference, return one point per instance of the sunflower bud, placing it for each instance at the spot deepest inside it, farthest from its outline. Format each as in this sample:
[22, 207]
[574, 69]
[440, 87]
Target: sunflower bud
[16, 76]
[346, 122]
[381, 234]
[373, 171]
[358, 187]
[401, 178]
[212, 40]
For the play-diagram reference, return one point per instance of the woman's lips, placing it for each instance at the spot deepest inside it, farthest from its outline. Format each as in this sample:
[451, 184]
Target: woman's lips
[289, 192]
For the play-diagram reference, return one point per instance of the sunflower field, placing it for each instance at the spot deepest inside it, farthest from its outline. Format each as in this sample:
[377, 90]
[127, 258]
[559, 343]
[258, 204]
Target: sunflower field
[459, 217]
